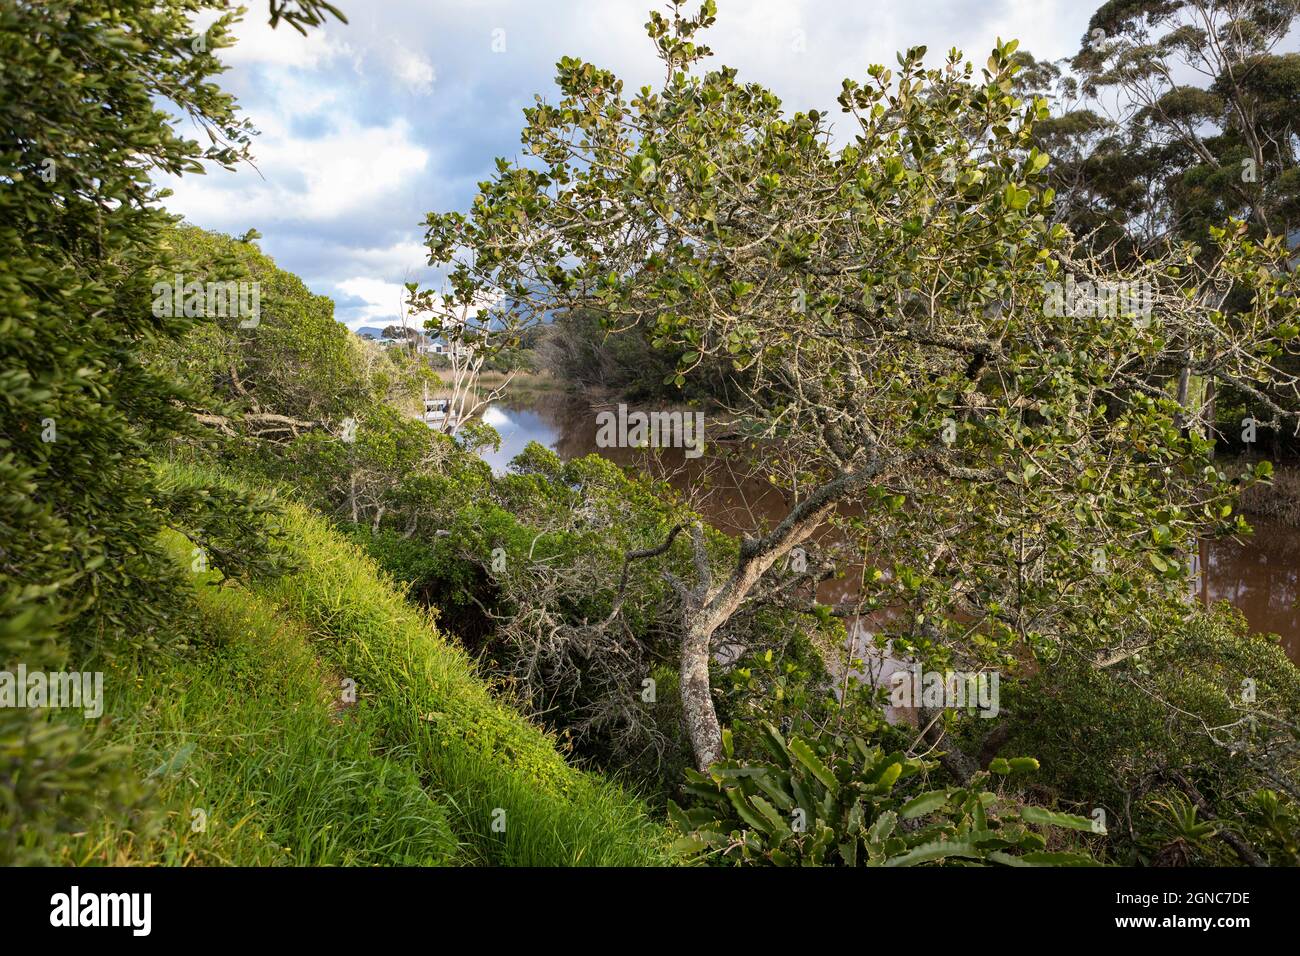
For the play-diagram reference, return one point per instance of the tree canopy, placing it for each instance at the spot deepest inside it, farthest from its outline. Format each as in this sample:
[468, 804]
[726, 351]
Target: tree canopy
[897, 304]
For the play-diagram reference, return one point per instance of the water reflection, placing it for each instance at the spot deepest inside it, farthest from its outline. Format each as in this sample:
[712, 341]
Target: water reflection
[1259, 575]
[517, 427]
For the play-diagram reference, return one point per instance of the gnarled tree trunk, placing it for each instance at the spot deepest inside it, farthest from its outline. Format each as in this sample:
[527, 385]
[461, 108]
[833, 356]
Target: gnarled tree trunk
[701, 718]
[705, 609]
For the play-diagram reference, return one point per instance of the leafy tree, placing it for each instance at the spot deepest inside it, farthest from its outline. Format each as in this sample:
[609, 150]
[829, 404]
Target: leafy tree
[1105, 183]
[291, 370]
[1206, 102]
[1173, 117]
[1018, 459]
[83, 126]
[582, 348]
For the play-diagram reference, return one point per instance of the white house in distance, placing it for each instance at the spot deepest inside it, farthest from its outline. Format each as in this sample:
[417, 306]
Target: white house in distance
[428, 345]
[425, 344]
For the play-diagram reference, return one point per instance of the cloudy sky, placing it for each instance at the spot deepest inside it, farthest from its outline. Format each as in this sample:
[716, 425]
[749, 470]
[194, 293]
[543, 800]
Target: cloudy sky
[366, 127]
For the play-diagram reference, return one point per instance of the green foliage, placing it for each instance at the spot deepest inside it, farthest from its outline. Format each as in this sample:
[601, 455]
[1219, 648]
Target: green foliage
[886, 306]
[582, 349]
[81, 572]
[786, 683]
[425, 696]
[251, 757]
[1203, 153]
[295, 369]
[1207, 709]
[836, 801]
[526, 568]
[301, 14]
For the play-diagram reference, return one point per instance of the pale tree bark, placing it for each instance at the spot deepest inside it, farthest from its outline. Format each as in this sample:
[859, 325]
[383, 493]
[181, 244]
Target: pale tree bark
[1210, 414]
[705, 609]
[1184, 383]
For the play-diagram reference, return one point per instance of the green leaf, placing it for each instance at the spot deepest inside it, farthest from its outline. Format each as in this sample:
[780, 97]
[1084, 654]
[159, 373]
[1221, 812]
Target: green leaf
[1057, 859]
[805, 755]
[752, 819]
[726, 771]
[771, 785]
[936, 850]
[1052, 818]
[677, 817]
[888, 777]
[883, 827]
[687, 846]
[775, 743]
[925, 803]
[778, 825]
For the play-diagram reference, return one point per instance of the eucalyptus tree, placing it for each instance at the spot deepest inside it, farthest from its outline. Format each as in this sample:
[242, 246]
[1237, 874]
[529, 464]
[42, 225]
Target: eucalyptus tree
[1202, 100]
[1204, 96]
[930, 362]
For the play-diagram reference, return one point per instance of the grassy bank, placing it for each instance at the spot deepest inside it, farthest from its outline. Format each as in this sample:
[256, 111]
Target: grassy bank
[1277, 500]
[251, 729]
[248, 759]
[515, 386]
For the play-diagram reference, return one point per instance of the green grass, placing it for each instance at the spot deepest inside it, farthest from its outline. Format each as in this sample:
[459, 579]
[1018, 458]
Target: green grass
[427, 767]
[426, 695]
[249, 762]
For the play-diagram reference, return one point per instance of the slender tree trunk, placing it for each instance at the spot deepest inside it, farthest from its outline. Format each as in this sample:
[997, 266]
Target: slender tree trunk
[1184, 381]
[701, 718]
[1210, 415]
[702, 622]
[705, 609]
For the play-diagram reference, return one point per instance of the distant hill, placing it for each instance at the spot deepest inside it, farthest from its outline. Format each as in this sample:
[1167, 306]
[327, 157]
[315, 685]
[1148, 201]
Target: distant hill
[371, 330]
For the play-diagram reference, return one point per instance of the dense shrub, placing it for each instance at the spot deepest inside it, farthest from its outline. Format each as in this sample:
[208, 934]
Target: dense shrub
[835, 800]
[1203, 722]
[80, 511]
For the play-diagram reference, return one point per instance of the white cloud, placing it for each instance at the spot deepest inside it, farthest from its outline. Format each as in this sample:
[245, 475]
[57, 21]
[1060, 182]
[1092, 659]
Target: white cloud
[415, 72]
[383, 300]
[347, 166]
[345, 172]
[284, 46]
[398, 259]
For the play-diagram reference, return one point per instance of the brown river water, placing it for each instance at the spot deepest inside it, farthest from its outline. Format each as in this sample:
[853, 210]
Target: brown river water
[1259, 574]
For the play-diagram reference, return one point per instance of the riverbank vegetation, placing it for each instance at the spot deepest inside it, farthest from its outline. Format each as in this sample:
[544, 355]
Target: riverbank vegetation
[330, 634]
[1278, 500]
